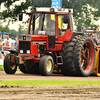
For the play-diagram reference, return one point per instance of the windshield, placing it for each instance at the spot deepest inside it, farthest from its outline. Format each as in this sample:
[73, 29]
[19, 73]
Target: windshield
[43, 24]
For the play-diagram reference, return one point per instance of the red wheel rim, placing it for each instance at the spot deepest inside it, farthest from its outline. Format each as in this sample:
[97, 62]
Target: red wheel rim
[87, 56]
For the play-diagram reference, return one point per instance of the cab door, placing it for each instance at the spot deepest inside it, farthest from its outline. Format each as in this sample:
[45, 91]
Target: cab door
[51, 42]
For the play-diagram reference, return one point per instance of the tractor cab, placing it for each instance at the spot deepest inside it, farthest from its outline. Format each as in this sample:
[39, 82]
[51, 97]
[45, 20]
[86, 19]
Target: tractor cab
[49, 26]
[49, 21]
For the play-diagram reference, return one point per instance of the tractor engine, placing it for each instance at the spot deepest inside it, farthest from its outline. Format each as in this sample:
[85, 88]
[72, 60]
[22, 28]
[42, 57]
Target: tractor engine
[28, 46]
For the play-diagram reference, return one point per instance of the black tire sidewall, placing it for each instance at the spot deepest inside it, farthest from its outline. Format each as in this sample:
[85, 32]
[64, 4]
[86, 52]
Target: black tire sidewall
[22, 68]
[83, 73]
[67, 51]
[7, 66]
[43, 63]
[32, 67]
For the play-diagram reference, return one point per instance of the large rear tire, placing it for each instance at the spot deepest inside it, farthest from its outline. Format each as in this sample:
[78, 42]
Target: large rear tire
[32, 68]
[46, 65]
[67, 54]
[9, 67]
[84, 56]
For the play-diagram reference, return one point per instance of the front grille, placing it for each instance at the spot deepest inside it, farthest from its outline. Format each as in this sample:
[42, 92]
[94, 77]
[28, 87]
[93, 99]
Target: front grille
[24, 46]
[20, 37]
[24, 37]
[28, 38]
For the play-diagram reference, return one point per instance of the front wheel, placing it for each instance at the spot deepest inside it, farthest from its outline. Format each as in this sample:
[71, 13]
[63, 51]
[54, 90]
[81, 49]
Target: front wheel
[9, 67]
[46, 65]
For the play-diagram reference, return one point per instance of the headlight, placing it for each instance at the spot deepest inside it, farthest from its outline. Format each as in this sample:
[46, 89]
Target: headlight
[21, 51]
[28, 51]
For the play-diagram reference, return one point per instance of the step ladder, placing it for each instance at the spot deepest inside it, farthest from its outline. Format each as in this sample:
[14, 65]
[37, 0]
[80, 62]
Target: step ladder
[59, 59]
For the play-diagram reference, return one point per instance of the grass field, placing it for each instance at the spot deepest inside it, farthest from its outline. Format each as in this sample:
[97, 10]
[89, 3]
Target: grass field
[49, 83]
[1, 67]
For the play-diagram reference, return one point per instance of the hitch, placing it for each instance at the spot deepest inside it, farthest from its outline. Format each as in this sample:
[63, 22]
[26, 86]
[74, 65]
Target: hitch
[20, 59]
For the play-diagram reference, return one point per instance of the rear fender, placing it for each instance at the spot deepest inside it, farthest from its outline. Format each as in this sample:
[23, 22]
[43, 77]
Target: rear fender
[75, 34]
[51, 54]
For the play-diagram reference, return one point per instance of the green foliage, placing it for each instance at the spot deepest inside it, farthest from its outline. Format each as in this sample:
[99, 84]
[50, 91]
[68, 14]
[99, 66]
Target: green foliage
[1, 67]
[13, 13]
[41, 3]
[1, 1]
[13, 33]
[82, 14]
[86, 17]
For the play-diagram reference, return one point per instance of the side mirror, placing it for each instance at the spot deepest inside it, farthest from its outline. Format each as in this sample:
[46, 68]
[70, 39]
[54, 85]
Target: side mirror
[20, 16]
[80, 29]
[66, 19]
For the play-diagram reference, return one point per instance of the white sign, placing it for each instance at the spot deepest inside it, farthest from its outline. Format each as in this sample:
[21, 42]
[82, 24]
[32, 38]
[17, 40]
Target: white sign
[1, 61]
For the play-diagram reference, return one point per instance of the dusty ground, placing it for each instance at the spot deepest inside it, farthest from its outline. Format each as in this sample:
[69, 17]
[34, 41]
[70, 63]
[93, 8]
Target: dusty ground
[20, 76]
[48, 93]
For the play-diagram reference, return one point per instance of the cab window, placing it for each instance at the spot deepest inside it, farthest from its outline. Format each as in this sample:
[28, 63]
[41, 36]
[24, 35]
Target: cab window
[62, 25]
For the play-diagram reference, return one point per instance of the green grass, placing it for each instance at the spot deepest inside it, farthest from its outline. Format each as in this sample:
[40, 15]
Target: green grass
[49, 83]
[1, 67]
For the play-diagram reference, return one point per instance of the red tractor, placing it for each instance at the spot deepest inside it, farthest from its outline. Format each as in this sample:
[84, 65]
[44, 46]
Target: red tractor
[52, 44]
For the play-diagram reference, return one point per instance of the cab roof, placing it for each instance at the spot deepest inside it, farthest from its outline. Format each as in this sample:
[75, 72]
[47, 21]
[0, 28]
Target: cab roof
[48, 9]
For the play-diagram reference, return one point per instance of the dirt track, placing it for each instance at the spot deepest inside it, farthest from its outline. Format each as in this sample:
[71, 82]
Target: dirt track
[20, 76]
[48, 93]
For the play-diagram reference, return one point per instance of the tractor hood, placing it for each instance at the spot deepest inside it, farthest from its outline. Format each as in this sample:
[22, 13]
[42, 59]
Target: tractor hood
[39, 38]
[32, 37]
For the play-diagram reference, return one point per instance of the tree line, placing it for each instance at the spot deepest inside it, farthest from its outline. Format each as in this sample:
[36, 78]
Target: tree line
[13, 33]
[86, 12]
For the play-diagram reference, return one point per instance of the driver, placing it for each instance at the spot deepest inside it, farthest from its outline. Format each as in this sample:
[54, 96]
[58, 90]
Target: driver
[50, 23]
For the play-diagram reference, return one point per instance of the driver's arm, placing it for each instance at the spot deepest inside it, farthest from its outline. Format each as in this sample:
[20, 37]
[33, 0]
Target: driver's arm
[52, 24]
[53, 27]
